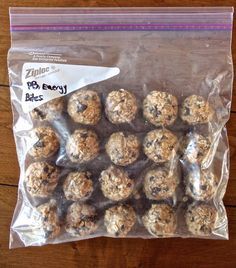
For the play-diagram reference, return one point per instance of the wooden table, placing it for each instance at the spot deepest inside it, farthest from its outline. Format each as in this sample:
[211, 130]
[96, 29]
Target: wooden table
[104, 252]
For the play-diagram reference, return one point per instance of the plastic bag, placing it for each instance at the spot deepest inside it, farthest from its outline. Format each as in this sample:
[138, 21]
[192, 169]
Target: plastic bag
[119, 122]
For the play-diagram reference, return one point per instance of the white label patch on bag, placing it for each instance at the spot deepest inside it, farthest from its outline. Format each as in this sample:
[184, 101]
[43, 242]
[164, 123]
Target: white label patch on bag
[43, 82]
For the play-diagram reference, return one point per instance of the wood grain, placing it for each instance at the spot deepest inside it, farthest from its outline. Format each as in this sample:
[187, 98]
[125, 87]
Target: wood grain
[105, 252]
[9, 171]
[117, 253]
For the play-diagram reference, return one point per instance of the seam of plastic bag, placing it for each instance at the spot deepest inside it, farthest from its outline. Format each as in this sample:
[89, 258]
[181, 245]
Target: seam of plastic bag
[131, 19]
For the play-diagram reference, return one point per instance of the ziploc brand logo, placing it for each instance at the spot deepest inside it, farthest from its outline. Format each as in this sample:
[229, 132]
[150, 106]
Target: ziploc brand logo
[32, 72]
[43, 82]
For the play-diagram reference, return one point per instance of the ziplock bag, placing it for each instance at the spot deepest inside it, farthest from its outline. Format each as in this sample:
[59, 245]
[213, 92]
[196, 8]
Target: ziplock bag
[119, 122]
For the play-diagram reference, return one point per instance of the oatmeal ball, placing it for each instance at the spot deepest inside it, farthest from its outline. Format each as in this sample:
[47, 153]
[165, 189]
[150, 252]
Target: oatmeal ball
[160, 220]
[41, 179]
[121, 106]
[116, 184]
[196, 110]
[119, 220]
[201, 219]
[84, 107]
[48, 111]
[48, 220]
[201, 184]
[44, 142]
[78, 185]
[81, 219]
[160, 145]
[195, 148]
[160, 108]
[160, 183]
[123, 149]
[82, 146]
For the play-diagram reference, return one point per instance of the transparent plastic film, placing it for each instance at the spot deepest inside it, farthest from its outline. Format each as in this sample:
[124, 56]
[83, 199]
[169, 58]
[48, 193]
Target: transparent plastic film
[119, 122]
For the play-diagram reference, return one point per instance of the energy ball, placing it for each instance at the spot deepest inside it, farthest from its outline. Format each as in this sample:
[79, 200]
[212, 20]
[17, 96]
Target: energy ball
[47, 219]
[196, 110]
[121, 106]
[84, 107]
[41, 179]
[44, 142]
[48, 111]
[119, 220]
[116, 184]
[201, 184]
[201, 219]
[160, 183]
[82, 146]
[195, 148]
[160, 145]
[160, 220]
[160, 108]
[81, 219]
[123, 149]
[78, 185]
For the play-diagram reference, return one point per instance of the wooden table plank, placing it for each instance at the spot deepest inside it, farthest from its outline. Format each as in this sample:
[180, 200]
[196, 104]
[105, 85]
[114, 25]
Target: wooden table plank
[106, 252]
[9, 171]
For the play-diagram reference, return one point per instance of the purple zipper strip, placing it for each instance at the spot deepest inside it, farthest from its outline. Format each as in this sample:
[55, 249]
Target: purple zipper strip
[127, 25]
[121, 27]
